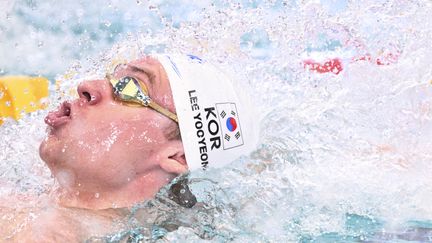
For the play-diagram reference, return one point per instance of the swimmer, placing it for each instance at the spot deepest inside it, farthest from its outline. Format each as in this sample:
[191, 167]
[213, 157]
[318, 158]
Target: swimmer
[111, 151]
[124, 138]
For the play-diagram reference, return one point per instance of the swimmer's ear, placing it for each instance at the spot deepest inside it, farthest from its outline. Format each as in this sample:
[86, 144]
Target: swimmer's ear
[174, 160]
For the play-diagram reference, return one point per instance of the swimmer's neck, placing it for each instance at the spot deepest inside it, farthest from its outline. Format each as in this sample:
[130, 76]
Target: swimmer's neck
[131, 193]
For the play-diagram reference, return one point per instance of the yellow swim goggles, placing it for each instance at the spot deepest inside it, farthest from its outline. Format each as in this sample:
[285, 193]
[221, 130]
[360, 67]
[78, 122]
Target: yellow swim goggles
[132, 90]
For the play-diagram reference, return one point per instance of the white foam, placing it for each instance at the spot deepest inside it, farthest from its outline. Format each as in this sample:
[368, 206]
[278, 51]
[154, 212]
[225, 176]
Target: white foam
[332, 145]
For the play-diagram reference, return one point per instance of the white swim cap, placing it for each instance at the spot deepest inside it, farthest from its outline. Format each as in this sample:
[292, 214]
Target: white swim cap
[216, 123]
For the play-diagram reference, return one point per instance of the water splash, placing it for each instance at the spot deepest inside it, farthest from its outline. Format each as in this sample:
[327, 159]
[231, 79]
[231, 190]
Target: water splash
[342, 157]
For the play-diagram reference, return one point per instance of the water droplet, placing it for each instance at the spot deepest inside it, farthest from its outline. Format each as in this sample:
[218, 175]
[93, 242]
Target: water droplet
[138, 2]
[182, 191]
[1, 94]
[97, 195]
[107, 24]
[44, 101]
[8, 103]
[40, 44]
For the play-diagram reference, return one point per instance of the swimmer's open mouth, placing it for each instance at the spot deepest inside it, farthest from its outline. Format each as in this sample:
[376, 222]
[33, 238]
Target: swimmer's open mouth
[60, 116]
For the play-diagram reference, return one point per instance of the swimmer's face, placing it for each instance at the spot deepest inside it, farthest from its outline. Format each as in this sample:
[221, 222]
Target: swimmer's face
[97, 143]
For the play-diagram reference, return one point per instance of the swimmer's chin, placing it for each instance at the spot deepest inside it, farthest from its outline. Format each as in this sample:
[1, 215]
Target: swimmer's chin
[47, 149]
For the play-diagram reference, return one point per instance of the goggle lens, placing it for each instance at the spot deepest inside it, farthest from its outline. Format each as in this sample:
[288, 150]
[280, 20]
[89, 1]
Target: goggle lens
[129, 89]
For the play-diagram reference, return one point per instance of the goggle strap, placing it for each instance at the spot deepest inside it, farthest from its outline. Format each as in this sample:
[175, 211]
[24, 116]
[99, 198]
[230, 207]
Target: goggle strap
[163, 111]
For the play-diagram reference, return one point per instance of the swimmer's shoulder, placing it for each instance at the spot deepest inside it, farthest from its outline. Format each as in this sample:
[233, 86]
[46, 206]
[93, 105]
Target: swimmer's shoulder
[40, 219]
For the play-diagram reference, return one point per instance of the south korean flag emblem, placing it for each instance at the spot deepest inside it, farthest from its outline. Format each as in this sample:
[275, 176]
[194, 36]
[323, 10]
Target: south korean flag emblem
[229, 120]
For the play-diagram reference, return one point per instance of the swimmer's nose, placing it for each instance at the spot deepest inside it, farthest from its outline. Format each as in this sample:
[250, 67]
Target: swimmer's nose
[94, 91]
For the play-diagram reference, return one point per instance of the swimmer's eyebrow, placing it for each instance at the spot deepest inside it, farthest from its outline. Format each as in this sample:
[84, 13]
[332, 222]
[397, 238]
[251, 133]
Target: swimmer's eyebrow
[151, 76]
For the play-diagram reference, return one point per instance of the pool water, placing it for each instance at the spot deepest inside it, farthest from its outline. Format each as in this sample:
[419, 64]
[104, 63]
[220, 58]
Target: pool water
[345, 150]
